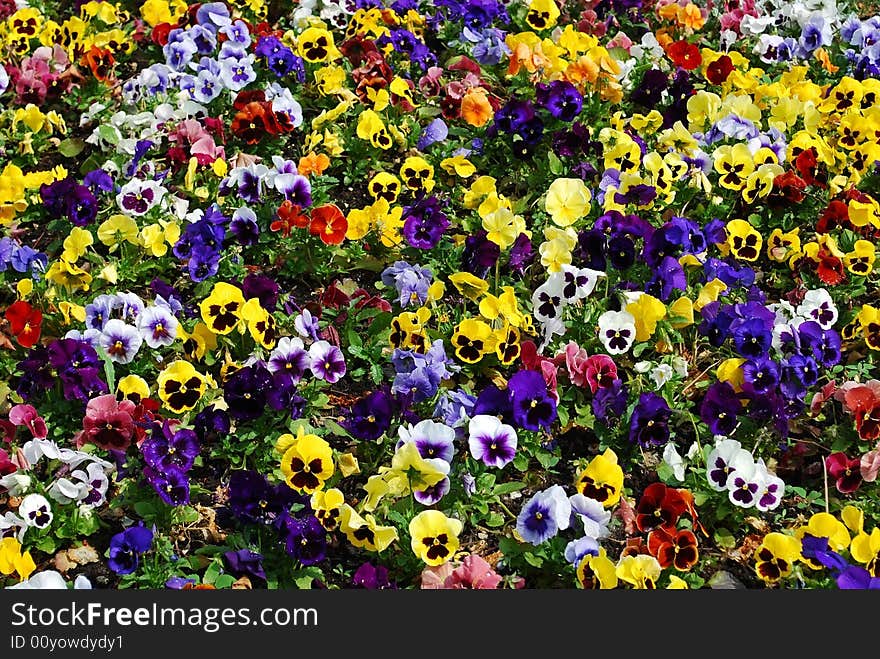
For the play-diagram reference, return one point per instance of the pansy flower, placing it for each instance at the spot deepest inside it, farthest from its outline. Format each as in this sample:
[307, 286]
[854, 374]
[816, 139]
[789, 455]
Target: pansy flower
[306, 461]
[649, 423]
[567, 201]
[365, 532]
[490, 441]
[660, 507]
[472, 339]
[384, 186]
[602, 479]
[617, 331]
[823, 525]
[316, 44]
[417, 174]
[533, 406]
[596, 572]
[641, 571]
[720, 408]
[744, 241]
[544, 515]
[126, 548]
[326, 361]
[157, 326]
[180, 386]
[329, 224]
[36, 511]
[727, 457]
[845, 471]
[120, 340]
[260, 323]
[221, 310]
[743, 486]
[25, 323]
[673, 548]
[542, 14]
[327, 506]
[13, 559]
[434, 536]
[776, 556]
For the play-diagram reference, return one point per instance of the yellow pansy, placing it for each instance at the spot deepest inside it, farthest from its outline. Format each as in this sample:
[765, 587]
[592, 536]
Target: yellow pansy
[316, 44]
[371, 128]
[503, 227]
[681, 313]
[76, 244]
[542, 14]
[640, 571]
[365, 532]
[505, 306]
[469, 285]
[118, 228]
[781, 246]
[730, 371]
[860, 261]
[69, 275]
[734, 164]
[743, 240]
[602, 479]
[434, 536]
[260, 323]
[647, 311]
[13, 559]
[307, 461]
[458, 165]
[417, 174]
[156, 237]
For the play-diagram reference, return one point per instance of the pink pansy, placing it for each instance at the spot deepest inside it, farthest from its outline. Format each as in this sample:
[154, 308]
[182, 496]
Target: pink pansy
[600, 371]
[474, 573]
[108, 424]
[26, 415]
[575, 359]
[620, 40]
[434, 578]
[870, 465]
[429, 84]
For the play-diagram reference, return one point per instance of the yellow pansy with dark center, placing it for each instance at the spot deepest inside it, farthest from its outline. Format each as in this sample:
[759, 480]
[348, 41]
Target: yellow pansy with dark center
[434, 536]
[776, 556]
[221, 310]
[472, 339]
[307, 463]
[417, 174]
[745, 242]
[315, 44]
[384, 186]
[180, 386]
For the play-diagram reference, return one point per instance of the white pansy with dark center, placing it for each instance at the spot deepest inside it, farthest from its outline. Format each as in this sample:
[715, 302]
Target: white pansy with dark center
[36, 511]
[817, 305]
[727, 456]
[617, 331]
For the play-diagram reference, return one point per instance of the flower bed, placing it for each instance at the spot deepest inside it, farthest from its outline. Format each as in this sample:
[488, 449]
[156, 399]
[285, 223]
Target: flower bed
[439, 294]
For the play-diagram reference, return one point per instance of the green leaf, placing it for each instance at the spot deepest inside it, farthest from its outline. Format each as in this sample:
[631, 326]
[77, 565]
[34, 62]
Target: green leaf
[71, 147]
[224, 581]
[507, 488]
[144, 509]
[725, 539]
[555, 163]
[531, 559]
[495, 520]
[109, 134]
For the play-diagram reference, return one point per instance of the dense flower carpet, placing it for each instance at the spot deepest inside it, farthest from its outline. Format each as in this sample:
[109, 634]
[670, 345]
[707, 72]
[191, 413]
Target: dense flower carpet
[449, 294]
